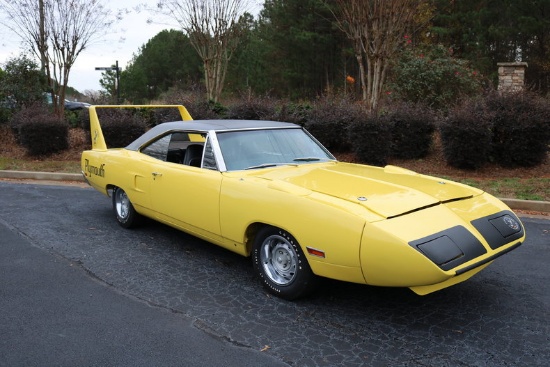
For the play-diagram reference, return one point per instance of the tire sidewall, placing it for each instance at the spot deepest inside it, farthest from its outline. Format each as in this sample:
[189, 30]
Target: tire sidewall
[304, 281]
[128, 221]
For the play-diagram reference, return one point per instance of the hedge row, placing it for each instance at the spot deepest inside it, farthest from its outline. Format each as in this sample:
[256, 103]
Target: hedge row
[404, 131]
[39, 131]
[120, 127]
[466, 136]
[512, 130]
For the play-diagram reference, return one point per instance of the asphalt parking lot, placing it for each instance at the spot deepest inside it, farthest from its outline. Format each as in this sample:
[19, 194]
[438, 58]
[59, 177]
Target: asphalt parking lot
[155, 289]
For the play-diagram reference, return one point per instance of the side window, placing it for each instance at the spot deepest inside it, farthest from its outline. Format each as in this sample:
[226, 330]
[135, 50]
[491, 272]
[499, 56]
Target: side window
[178, 147]
[169, 148]
[209, 160]
[158, 149]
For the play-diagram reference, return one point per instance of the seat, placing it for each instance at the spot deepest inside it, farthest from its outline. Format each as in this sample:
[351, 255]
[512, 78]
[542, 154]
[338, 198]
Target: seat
[193, 155]
[175, 155]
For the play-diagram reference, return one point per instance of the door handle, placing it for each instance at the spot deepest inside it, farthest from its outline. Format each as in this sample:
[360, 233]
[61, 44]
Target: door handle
[156, 174]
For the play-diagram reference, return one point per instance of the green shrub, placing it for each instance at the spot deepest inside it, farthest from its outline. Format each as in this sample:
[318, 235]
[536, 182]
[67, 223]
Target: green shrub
[434, 77]
[521, 129]
[216, 107]
[72, 118]
[370, 139]
[23, 83]
[412, 128]
[40, 131]
[466, 135]
[330, 120]
[5, 115]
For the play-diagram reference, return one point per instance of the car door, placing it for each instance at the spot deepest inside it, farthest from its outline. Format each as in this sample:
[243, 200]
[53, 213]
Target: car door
[182, 194]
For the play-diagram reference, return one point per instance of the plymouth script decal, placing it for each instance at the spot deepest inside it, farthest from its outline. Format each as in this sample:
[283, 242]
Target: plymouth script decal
[94, 170]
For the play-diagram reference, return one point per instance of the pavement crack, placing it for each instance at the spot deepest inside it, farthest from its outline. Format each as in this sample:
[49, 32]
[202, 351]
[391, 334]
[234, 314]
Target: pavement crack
[201, 325]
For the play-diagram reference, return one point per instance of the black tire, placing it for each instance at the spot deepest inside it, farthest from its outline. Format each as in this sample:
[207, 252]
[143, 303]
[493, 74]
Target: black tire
[125, 213]
[281, 265]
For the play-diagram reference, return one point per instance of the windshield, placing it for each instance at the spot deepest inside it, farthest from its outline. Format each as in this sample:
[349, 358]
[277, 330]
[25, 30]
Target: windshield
[267, 148]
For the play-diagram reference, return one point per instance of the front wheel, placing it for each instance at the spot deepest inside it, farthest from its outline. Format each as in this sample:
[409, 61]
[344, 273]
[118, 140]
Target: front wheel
[125, 213]
[281, 265]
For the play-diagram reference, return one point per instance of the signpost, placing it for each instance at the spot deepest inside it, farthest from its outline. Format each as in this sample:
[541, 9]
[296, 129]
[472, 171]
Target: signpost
[117, 69]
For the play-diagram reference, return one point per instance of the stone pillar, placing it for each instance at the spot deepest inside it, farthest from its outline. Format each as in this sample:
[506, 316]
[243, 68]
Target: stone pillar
[511, 76]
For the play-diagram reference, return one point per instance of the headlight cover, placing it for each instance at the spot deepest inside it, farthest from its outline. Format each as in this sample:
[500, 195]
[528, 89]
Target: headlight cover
[500, 228]
[450, 248]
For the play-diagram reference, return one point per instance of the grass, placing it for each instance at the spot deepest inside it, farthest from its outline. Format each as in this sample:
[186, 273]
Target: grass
[7, 163]
[14, 157]
[512, 188]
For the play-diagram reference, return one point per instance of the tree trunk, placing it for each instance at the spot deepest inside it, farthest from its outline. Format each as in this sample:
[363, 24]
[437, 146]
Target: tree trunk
[42, 36]
[362, 75]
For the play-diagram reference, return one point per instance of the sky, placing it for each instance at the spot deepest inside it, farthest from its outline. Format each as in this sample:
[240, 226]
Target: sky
[118, 44]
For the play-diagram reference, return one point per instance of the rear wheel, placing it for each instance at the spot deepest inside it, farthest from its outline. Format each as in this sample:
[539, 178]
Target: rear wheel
[125, 213]
[281, 265]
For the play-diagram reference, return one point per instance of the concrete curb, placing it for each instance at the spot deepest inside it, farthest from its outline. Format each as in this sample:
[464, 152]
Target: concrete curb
[515, 204]
[529, 205]
[46, 176]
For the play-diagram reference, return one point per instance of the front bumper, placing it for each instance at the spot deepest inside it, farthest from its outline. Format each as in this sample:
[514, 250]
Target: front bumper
[438, 247]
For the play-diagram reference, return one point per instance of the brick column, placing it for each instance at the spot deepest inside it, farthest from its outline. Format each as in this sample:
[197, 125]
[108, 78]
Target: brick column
[511, 76]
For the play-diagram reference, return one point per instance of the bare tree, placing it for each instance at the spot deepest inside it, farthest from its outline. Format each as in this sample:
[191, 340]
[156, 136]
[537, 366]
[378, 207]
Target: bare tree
[57, 31]
[376, 29]
[213, 29]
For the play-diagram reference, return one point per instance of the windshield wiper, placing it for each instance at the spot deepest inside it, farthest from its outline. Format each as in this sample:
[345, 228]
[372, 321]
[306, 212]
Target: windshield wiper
[306, 159]
[265, 165]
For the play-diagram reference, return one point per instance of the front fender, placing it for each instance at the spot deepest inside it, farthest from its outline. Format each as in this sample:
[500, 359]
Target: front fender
[317, 221]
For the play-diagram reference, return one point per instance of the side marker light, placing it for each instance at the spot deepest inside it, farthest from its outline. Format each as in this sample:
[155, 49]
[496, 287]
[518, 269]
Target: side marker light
[315, 252]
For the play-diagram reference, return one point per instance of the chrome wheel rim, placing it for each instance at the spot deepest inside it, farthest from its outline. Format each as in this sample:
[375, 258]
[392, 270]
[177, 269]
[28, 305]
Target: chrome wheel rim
[279, 260]
[122, 204]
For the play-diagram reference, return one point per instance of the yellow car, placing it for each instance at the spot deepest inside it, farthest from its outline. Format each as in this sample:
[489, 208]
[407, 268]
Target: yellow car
[270, 191]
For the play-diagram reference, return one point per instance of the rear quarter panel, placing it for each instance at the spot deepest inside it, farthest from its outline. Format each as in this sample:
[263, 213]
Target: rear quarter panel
[121, 168]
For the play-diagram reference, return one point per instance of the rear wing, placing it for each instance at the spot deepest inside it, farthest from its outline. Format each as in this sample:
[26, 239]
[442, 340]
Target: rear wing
[98, 141]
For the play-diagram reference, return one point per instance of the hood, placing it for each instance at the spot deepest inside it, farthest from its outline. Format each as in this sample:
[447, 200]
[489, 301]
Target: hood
[389, 191]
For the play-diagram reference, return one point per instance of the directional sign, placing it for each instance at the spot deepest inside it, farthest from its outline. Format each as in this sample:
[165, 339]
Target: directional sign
[117, 69]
